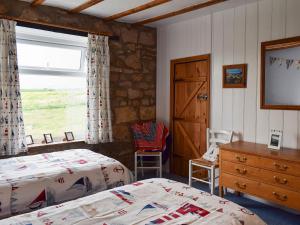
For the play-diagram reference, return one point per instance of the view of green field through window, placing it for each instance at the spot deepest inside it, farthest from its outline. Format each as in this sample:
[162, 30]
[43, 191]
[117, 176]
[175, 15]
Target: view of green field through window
[50, 108]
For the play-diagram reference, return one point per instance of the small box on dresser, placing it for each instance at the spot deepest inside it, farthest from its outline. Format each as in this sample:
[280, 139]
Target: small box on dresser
[254, 169]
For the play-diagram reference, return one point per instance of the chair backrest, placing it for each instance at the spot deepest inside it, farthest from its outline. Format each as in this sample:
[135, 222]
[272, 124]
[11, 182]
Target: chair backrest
[218, 137]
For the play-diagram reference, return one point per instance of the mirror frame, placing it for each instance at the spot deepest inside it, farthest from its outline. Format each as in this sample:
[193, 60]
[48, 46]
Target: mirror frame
[274, 45]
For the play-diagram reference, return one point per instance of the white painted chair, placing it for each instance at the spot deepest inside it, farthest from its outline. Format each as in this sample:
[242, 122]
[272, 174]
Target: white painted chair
[153, 165]
[213, 137]
[144, 159]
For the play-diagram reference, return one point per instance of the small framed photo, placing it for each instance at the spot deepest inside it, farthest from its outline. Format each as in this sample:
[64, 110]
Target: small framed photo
[235, 76]
[29, 140]
[69, 136]
[48, 138]
[275, 139]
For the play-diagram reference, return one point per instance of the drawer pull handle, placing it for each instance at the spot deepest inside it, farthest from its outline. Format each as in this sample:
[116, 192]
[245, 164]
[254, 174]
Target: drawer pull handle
[244, 171]
[241, 186]
[278, 180]
[241, 159]
[280, 167]
[280, 197]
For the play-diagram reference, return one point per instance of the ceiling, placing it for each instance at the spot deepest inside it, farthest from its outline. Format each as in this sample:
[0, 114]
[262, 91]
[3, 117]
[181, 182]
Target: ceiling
[107, 8]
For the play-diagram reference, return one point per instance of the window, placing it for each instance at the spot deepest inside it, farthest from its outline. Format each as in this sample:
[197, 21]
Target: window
[48, 57]
[53, 83]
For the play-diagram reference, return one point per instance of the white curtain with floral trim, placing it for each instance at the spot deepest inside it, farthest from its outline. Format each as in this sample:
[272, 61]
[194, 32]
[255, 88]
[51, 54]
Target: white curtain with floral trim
[12, 134]
[99, 129]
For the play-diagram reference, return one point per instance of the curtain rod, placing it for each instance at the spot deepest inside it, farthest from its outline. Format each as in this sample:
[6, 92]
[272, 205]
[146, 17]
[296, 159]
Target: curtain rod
[57, 28]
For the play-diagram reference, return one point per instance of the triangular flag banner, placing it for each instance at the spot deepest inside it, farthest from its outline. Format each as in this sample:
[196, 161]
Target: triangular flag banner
[289, 63]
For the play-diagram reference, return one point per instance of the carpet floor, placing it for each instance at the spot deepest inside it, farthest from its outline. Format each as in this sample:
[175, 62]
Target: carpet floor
[271, 215]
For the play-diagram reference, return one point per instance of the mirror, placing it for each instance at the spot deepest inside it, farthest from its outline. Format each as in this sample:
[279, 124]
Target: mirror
[280, 74]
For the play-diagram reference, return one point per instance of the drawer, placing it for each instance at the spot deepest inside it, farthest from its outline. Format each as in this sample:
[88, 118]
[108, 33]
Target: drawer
[239, 158]
[239, 183]
[240, 170]
[279, 195]
[280, 166]
[280, 179]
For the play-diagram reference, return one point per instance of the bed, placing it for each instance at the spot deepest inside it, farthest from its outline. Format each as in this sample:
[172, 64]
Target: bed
[153, 201]
[32, 182]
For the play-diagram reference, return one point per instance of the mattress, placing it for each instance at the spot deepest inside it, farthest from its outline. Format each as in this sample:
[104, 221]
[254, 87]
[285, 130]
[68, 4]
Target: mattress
[32, 182]
[153, 201]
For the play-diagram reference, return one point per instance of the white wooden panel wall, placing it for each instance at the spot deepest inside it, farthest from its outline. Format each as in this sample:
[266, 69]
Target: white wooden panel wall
[216, 79]
[238, 95]
[228, 40]
[233, 36]
[264, 34]
[291, 126]
[251, 52]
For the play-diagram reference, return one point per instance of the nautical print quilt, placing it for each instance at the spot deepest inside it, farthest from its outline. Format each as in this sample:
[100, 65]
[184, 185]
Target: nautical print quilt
[153, 201]
[31, 182]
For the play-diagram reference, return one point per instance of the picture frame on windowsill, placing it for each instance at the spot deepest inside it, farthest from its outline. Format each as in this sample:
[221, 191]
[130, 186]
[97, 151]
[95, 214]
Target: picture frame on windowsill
[48, 138]
[29, 140]
[69, 136]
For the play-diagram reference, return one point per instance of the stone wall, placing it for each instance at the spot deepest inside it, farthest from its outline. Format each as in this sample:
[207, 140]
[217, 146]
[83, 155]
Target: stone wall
[133, 70]
[133, 85]
[133, 79]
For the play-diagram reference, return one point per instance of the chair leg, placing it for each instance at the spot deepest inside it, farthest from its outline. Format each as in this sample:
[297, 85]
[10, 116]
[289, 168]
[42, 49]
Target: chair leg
[135, 166]
[142, 165]
[212, 180]
[160, 165]
[157, 163]
[190, 172]
[209, 178]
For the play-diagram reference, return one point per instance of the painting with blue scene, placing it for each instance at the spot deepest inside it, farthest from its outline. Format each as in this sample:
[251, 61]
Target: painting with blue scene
[234, 76]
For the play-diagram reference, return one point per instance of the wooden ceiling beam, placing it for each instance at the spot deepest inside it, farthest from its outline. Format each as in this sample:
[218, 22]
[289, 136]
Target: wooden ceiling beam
[84, 6]
[37, 2]
[137, 9]
[179, 12]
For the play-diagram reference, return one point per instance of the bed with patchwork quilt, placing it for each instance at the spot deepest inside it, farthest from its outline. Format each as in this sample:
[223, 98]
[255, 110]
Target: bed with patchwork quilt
[29, 183]
[152, 201]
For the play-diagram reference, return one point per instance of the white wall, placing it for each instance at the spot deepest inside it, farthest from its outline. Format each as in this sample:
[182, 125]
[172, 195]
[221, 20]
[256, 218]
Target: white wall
[233, 36]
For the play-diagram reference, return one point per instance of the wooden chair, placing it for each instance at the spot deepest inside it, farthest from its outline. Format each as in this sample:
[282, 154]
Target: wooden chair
[213, 137]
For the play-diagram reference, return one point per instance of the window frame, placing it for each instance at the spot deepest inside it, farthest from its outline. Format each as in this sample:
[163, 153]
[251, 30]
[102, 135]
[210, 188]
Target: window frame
[57, 43]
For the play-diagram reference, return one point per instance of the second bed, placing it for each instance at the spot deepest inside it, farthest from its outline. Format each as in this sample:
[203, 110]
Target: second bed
[153, 201]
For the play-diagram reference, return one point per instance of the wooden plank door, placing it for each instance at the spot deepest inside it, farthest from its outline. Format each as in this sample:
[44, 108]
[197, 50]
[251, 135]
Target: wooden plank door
[190, 97]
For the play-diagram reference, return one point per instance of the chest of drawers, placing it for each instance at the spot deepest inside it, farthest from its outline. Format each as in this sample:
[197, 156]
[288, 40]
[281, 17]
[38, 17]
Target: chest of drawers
[256, 170]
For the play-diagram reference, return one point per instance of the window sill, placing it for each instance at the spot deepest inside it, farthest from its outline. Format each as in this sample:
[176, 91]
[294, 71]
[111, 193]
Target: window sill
[54, 144]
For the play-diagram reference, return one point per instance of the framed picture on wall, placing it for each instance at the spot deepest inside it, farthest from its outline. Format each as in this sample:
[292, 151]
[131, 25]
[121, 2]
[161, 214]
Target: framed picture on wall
[235, 76]
[280, 74]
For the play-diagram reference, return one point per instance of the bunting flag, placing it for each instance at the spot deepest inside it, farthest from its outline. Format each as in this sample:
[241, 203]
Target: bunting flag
[288, 63]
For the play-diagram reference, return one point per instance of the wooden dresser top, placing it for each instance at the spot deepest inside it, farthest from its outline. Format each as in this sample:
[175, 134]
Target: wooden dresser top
[262, 150]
